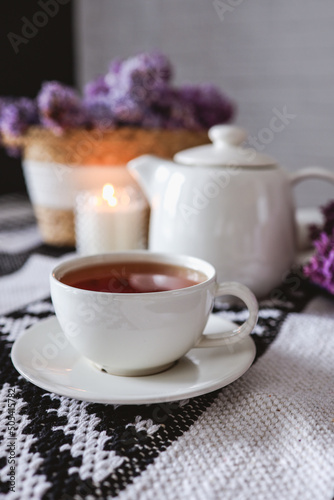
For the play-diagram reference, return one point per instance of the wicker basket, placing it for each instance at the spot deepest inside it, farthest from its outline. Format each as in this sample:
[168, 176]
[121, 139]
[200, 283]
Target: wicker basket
[56, 167]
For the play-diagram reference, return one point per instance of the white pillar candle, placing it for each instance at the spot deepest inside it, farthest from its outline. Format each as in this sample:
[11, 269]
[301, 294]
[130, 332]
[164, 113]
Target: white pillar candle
[111, 220]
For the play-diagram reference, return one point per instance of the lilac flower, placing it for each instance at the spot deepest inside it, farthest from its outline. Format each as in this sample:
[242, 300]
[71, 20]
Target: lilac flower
[127, 111]
[328, 227]
[136, 91]
[211, 106]
[99, 116]
[177, 112]
[328, 212]
[98, 112]
[139, 78]
[60, 107]
[16, 115]
[96, 88]
[152, 120]
[320, 269]
[148, 71]
[4, 101]
[115, 66]
[112, 78]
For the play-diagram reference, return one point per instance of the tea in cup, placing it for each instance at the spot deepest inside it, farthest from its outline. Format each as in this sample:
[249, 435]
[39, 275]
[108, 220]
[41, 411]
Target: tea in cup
[136, 313]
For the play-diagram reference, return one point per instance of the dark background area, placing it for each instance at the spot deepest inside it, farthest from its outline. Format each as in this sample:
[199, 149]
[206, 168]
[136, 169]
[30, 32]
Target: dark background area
[47, 55]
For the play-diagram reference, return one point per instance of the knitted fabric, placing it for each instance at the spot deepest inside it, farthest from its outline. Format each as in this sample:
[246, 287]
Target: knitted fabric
[267, 435]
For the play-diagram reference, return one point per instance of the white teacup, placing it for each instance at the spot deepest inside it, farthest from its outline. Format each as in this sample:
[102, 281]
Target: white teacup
[141, 333]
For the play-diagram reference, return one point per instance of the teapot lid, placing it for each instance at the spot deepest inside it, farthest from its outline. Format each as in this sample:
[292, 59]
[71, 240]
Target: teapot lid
[226, 150]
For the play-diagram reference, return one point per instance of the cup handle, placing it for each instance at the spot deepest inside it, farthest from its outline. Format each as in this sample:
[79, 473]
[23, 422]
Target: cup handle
[229, 337]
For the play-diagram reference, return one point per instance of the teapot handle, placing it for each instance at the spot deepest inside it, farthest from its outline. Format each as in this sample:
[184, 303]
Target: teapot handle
[303, 236]
[312, 173]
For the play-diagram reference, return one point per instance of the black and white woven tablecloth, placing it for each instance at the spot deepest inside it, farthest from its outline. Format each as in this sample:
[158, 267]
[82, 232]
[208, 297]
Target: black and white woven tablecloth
[268, 435]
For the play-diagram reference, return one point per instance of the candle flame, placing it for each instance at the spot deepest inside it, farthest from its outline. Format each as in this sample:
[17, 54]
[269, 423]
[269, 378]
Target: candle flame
[108, 194]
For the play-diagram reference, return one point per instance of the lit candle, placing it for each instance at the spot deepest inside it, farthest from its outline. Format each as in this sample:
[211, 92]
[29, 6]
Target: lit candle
[114, 219]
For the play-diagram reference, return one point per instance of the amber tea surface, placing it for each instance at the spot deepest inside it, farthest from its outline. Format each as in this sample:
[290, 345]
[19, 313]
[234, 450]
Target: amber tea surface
[133, 277]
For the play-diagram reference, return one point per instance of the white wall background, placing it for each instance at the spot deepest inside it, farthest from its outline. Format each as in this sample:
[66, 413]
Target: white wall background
[264, 54]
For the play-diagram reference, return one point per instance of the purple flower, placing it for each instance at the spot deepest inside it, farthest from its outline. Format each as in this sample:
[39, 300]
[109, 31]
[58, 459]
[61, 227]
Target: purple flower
[139, 78]
[4, 101]
[96, 88]
[136, 91]
[112, 77]
[148, 70]
[60, 107]
[99, 114]
[16, 115]
[127, 111]
[328, 228]
[115, 66]
[320, 269]
[328, 212]
[177, 112]
[211, 106]
[153, 119]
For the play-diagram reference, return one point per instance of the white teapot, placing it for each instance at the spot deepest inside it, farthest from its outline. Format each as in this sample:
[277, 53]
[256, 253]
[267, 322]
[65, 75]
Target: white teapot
[227, 204]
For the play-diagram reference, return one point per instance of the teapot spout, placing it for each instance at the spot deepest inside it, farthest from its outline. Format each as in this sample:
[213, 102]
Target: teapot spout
[144, 169]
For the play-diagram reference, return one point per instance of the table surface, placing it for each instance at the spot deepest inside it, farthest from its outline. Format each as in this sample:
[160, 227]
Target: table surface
[267, 435]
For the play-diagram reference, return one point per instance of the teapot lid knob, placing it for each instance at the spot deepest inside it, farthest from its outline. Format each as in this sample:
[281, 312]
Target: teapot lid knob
[227, 134]
[229, 148]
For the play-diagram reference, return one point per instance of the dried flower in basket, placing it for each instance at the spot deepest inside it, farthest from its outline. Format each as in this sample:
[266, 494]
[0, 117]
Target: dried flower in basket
[136, 92]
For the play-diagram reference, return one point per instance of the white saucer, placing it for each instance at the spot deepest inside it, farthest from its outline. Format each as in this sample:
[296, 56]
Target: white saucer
[44, 357]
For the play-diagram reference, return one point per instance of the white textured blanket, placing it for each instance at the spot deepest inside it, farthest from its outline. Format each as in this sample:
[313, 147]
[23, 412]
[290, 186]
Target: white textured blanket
[268, 435]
